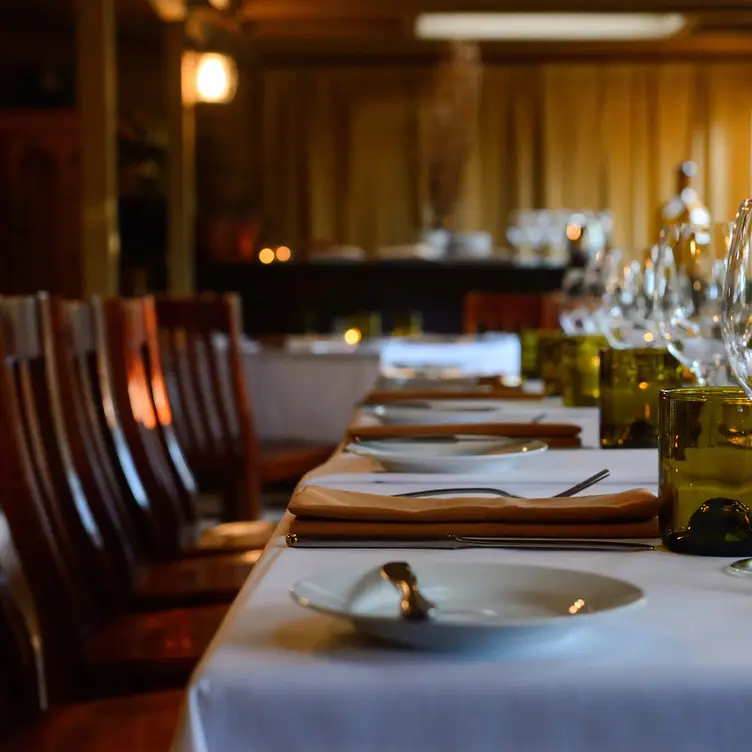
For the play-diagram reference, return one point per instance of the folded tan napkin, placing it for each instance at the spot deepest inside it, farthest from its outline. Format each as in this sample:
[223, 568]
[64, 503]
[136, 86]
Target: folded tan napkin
[554, 434]
[350, 514]
[381, 396]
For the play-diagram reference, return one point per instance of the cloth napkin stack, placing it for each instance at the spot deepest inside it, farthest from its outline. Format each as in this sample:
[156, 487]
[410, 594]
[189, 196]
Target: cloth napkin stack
[353, 515]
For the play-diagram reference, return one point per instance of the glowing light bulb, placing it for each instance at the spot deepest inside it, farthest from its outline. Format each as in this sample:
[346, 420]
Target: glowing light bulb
[216, 78]
[283, 253]
[352, 336]
[266, 255]
[574, 232]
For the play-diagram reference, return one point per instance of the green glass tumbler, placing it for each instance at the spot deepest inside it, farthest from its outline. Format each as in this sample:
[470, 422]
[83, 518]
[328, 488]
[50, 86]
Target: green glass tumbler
[367, 324]
[529, 353]
[705, 473]
[408, 324]
[549, 357]
[630, 381]
[580, 369]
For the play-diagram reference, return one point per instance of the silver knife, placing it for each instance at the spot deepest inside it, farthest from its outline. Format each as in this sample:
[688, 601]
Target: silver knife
[461, 541]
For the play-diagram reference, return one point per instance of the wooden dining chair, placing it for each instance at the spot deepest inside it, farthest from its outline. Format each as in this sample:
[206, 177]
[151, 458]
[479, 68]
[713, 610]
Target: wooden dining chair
[509, 312]
[132, 358]
[106, 495]
[141, 723]
[96, 645]
[200, 343]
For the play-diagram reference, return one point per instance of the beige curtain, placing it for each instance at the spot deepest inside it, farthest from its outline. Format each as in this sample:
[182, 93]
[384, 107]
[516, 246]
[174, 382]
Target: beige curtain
[343, 160]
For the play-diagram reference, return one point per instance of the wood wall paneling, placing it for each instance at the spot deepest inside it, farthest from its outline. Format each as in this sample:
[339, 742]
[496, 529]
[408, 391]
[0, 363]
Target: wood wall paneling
[39, 202]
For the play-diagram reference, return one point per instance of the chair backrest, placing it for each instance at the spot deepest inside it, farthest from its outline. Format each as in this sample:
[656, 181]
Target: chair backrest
[73, 361]
[200, 343]
[138, 524]
[52, 528]
[505, 312]
[145, 417]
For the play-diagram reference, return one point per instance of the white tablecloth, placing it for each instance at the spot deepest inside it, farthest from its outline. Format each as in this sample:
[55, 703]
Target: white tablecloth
[305, 395]
[485, 356]
[675, 674]
[310, 394]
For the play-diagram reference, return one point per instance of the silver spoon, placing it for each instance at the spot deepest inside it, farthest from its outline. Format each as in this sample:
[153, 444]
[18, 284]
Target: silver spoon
[414, 605]
[740, 568]
[591, 481]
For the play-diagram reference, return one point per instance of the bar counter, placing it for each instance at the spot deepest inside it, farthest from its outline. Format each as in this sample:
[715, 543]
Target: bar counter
[309, 296]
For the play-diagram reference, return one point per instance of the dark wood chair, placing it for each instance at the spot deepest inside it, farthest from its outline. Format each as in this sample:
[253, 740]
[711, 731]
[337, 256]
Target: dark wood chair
[129, 529]
[142, 723]
[96, 645]
[138, 391]
[200, 342]
[509, 312]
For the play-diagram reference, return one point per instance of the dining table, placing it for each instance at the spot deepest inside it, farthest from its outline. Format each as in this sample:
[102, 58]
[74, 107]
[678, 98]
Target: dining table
[308, 388]
[675, 673]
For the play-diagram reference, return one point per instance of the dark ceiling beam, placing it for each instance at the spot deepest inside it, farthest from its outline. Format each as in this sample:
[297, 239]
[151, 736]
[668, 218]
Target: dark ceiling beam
[365, 51]
[260, 9]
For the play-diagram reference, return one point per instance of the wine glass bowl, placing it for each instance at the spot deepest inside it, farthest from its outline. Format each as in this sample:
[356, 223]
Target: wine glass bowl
[689, 281]
[626, 316]
[737, 300]
[584, 290]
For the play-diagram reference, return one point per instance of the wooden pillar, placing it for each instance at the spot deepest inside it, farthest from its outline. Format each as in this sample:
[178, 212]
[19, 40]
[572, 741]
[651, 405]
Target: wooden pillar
[181, 164]
[97, 104]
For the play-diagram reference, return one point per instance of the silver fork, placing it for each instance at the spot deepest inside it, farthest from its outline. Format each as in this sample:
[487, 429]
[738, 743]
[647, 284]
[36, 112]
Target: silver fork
[581, 486]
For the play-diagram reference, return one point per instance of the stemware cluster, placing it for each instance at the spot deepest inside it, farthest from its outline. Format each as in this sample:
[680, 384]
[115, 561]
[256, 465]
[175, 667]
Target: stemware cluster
[540, 237]
[691, 294]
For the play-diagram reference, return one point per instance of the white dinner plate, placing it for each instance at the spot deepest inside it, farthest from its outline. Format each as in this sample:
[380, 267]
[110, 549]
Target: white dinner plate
[479, 605]
[436, 414]
[448, 455]
[489, 403]
[404, 377]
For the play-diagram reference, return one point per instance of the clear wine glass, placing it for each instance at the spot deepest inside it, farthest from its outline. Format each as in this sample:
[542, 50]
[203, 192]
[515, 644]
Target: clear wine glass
[627, 316]
[689, 278]
[583, 292]
[736, 320]
[737, 300]
[573, 311]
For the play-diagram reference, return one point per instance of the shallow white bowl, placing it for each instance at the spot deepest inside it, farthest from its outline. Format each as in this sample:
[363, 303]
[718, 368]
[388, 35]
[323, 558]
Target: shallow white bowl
[430, 414]
[463, 456]
[462, 444]
[479, 605]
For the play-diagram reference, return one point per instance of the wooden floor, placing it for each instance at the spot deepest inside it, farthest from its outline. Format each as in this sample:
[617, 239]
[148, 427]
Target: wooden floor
[142, 723]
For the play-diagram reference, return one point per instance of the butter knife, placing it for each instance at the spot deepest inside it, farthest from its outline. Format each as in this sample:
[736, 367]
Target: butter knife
[459, 541]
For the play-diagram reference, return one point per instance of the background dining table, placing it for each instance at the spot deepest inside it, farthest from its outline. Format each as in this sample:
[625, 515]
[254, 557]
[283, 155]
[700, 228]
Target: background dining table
[674, 674]
[308, 388]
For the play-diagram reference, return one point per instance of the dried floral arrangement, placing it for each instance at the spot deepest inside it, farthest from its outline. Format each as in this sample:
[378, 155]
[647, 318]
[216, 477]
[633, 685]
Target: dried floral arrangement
[451, 109]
